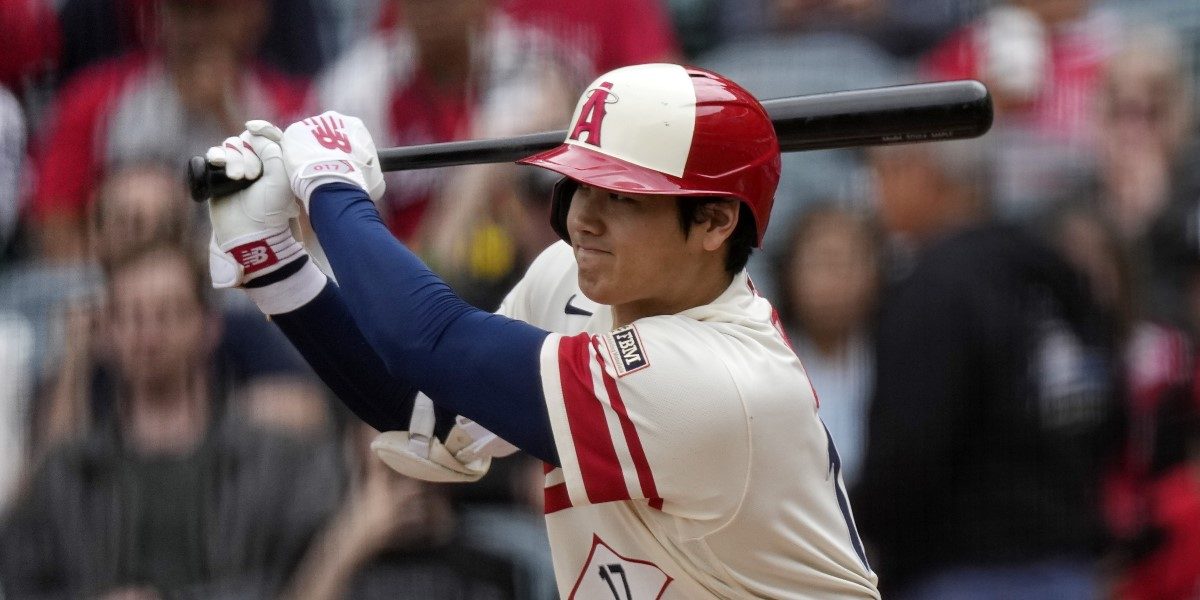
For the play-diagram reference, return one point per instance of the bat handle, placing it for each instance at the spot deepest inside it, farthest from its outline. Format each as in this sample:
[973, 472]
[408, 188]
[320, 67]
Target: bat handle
[207, 181]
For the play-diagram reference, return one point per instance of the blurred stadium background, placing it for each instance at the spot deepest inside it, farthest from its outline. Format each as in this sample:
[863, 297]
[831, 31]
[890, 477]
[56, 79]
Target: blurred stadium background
[1002, 332]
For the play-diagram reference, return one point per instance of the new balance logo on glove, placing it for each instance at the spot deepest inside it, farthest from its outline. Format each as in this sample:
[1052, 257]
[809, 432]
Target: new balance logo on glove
[329, 133]
[254, 256]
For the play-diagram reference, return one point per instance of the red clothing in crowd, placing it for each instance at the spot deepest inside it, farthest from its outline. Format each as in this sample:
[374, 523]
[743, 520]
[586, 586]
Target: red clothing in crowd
[1077, 54]
[1172, 571]
[90, 120]
[383, 81]
[1152, 497]
[610, 33]
[31, 40]
[444, 117]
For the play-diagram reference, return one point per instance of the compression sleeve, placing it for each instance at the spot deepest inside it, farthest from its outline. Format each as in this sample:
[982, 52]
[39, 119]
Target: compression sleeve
[340, 355]
[472, 362]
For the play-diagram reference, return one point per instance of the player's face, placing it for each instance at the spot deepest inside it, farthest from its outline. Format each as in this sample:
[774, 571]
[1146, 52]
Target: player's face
[631, 252]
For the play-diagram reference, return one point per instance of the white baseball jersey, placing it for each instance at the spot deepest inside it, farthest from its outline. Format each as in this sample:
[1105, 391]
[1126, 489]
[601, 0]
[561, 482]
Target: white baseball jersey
[693, 461]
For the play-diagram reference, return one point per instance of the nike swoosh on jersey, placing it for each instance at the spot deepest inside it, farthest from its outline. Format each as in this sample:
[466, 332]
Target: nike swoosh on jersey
[571, 309]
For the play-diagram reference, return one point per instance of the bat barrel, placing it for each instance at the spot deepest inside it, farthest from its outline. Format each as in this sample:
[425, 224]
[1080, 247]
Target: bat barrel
[900, 114]
[922, 112]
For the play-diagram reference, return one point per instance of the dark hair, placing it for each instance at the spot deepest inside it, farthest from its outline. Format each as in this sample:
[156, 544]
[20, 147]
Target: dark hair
[176, 226]
[741, 242]
[804, 226]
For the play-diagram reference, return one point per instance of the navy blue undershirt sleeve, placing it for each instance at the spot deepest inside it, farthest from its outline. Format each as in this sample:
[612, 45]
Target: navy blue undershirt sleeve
[340, 355]
[475, 363]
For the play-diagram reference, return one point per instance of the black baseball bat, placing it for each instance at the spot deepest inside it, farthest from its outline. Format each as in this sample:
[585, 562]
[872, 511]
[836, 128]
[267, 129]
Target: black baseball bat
[922, 112]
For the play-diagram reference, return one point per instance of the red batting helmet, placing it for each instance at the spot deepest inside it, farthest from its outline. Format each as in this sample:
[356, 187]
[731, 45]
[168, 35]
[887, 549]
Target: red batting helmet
[667, 130]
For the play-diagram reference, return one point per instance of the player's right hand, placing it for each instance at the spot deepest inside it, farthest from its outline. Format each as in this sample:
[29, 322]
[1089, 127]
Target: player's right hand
[252, 235]
[331, 147]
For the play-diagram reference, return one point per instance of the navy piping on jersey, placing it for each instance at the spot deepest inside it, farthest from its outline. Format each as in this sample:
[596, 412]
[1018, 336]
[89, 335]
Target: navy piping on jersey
[470, 362]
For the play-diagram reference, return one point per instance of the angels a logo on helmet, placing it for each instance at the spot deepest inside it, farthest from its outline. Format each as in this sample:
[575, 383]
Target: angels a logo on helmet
[677, 131]
[591, 116]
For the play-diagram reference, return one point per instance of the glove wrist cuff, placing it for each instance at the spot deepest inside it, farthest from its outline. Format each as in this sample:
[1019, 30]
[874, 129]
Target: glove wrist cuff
[313, 175]
[290, 293]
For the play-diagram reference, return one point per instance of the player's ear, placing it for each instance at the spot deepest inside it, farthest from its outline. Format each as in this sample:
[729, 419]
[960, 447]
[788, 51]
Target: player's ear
[716, 222]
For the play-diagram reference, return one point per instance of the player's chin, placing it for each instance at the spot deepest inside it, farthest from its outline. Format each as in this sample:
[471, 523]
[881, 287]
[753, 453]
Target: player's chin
[596, 288]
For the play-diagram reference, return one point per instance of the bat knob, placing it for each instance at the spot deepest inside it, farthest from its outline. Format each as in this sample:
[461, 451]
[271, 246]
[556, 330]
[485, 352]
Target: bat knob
[207, 181]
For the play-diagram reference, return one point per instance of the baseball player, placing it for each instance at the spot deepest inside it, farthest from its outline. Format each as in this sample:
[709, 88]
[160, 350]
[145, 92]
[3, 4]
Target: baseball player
[685, 457]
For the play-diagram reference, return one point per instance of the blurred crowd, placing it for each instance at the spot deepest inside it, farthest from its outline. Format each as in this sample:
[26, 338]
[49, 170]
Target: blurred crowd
[1004, 333]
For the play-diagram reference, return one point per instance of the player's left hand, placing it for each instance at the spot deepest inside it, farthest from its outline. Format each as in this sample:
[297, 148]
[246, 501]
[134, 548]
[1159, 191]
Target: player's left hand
[331, 147]
[252, 234]
[465, 456]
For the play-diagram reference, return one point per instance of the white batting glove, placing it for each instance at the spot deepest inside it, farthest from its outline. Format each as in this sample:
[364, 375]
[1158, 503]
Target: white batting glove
[465, 456]
[331, 147]
[253, 233]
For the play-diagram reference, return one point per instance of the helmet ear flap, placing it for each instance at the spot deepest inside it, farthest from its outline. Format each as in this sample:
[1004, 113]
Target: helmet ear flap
[560, 203]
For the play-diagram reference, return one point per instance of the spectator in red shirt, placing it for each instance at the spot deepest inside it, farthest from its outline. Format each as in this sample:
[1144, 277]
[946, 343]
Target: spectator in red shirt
[1043, 62]
[198, 82]
[449, 70]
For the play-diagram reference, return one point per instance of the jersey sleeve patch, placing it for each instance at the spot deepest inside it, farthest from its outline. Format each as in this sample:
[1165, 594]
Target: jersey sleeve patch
[605, 459]
[625, 350]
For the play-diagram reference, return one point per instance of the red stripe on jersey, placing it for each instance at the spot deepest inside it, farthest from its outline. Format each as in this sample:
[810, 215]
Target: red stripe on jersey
[598, 464]
[555, 498]
[636, 452]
